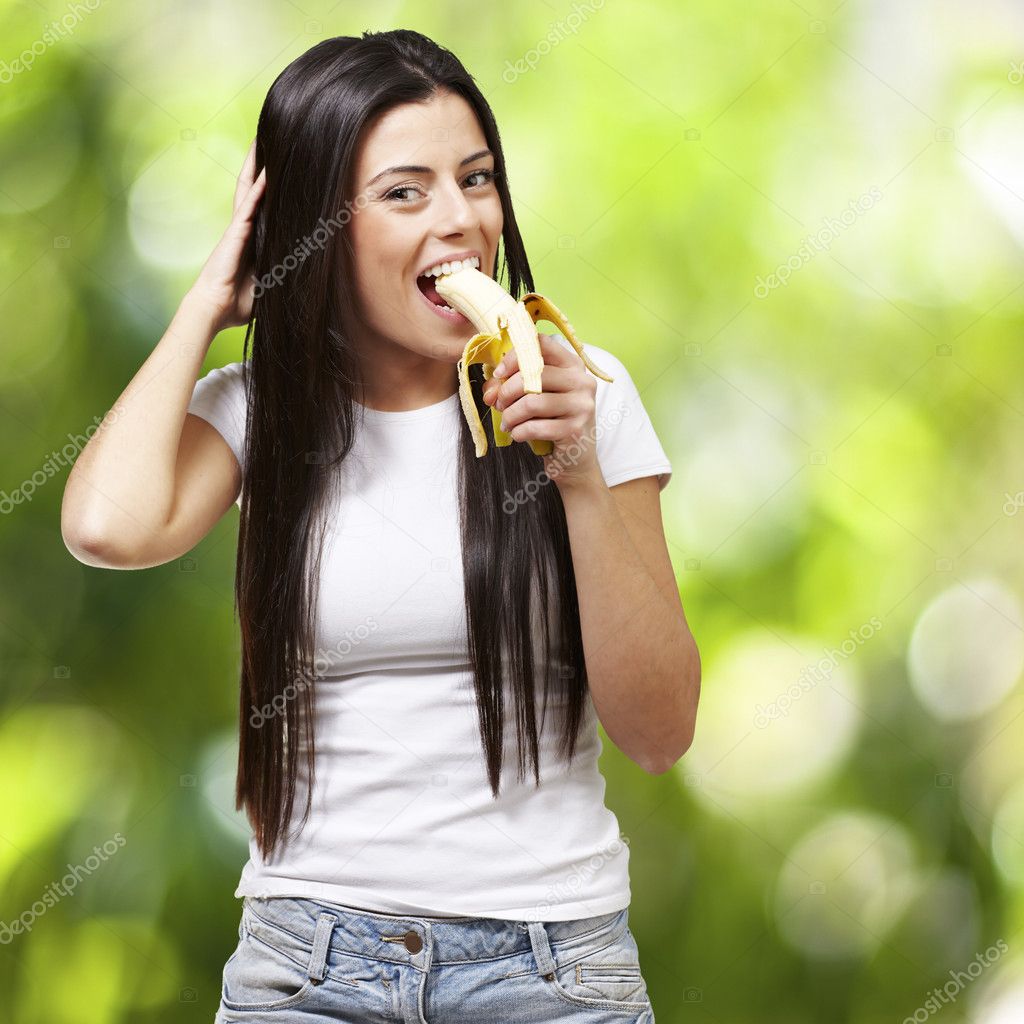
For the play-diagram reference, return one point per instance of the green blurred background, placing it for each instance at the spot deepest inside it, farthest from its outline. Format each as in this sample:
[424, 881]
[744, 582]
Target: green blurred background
[800, 227]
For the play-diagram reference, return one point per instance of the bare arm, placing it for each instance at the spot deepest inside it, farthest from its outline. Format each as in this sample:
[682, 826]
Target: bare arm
[153, 480]
[121, 491]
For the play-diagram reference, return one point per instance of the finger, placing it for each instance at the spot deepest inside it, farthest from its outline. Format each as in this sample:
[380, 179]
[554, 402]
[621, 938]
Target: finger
[244, 182]
[250, 162]
[554, 379]
[536, 430]
[557, 409]
[553, 352]
[253, 196]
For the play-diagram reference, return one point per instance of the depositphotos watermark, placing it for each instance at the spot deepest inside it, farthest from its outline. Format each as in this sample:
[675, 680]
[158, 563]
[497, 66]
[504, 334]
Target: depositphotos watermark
[321, 662]
[55, 892]
[304, 246]
[818, 242]
[57, 461]
[949, 992]
[54, 32]
[572, 455]
[569, 890]
[559, 30]
[814, 674]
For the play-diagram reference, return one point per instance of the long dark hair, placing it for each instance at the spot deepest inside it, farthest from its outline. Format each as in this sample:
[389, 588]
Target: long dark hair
[519, 580]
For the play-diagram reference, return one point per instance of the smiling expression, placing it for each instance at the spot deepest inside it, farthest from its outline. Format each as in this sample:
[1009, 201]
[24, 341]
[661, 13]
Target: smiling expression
[428, 180]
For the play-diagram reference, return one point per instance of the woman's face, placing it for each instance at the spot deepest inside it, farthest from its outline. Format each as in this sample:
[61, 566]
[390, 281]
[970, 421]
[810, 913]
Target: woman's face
[410, 220]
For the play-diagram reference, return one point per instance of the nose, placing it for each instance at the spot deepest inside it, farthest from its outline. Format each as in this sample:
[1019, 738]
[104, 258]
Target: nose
[455, 213]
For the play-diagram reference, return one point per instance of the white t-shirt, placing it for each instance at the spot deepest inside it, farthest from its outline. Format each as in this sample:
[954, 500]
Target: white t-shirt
[403, 820]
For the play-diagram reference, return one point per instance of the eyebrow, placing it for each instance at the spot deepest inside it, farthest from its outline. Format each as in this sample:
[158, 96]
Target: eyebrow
[415, 169]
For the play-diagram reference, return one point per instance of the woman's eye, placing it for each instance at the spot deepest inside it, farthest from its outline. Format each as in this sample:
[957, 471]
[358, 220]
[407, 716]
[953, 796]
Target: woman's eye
[488, 176]
[393, 195]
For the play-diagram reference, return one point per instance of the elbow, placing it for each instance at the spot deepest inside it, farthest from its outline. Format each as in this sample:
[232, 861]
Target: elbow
[669, 755]
[659, 766]
[79, 530]
[93, 539]
[665, 759]
[92, 546]
[88, 548]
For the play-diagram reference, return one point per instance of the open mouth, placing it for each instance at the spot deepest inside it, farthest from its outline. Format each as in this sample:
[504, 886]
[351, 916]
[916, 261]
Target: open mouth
[427, 288]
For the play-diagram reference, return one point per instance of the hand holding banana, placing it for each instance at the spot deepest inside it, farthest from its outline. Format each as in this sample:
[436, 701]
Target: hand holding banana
[553, 419]
[563, 414]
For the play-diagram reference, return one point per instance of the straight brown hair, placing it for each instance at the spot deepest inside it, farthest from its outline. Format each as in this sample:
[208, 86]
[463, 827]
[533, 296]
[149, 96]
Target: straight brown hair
[519, 582]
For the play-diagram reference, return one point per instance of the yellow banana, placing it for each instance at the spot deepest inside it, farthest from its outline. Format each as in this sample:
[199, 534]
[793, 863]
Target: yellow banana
[503, 324]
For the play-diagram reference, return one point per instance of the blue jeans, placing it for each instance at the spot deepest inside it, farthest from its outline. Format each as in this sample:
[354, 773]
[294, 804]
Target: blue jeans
[302, 961]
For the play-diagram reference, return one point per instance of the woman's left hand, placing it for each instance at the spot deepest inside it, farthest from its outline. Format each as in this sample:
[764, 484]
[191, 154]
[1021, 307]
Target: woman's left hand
[563, 413]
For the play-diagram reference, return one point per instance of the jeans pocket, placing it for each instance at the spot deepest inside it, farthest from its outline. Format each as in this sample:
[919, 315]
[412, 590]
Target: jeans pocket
[259, 976]
[602, 971]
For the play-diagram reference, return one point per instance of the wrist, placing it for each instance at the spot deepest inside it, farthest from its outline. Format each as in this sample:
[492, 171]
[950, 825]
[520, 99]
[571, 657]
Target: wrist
[200, 307]
[572, 484]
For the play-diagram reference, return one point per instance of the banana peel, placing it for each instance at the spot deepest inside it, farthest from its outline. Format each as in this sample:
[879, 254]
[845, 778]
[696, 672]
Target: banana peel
[503, 325]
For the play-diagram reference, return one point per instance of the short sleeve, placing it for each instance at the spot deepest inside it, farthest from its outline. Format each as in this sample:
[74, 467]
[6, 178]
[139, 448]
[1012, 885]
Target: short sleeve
[220, 399]
[627, 444]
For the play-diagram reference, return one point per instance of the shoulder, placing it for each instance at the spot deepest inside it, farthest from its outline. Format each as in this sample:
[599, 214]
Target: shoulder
[220, 397]
[627, 442]
[605, 360]
[229, 381]
[620, 389]
[236, 373]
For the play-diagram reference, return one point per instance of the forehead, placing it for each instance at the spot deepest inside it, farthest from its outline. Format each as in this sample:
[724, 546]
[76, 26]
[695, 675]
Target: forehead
[437, 133]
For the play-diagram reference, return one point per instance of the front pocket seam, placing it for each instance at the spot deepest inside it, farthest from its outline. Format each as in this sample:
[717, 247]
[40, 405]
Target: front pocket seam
[288, 1001]
[562, 992]
[631, 969]
[280, 1004]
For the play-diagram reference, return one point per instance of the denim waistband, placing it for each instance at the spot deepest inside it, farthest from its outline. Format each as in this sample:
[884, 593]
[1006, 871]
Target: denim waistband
[307, 924]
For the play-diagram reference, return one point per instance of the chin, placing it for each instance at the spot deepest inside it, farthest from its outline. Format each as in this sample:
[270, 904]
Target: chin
[447, 352]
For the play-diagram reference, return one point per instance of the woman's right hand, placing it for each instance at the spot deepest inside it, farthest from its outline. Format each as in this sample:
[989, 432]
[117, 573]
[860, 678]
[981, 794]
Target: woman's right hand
[225, 283]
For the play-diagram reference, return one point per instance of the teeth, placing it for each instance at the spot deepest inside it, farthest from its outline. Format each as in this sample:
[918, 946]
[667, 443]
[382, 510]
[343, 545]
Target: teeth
[451, 266]
[503, 324]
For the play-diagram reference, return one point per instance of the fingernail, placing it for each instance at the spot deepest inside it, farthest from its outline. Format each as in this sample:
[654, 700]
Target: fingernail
[500, 371]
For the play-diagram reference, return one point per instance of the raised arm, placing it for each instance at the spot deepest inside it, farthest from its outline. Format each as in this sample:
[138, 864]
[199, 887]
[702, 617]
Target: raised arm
[153, 479]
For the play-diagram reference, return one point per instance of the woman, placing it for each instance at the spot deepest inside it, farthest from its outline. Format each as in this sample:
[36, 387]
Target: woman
[388, 585]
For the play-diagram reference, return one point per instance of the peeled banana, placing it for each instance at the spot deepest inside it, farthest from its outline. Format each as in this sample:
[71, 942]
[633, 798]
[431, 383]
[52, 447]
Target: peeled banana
[503, 324]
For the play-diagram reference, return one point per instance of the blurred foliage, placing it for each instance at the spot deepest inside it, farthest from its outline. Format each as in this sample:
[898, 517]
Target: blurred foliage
[799, 225]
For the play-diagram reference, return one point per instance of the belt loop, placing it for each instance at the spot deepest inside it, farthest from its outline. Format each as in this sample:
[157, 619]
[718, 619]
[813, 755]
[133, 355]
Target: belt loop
[321, 941]
[542, 949]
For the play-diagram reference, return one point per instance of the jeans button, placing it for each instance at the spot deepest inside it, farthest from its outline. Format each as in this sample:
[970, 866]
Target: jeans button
[413, 942]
